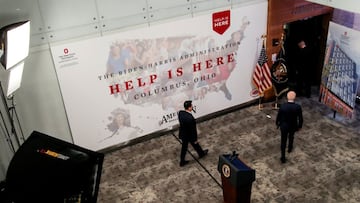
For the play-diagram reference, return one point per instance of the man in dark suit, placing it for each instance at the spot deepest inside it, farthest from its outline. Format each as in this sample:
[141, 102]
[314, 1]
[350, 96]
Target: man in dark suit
[188, 133]
[303, 67]
[290, 120]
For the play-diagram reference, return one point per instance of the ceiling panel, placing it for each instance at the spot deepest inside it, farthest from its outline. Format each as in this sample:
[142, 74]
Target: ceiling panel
[238, 3]
[74, 32]
[205, 5]
[159, 4]
[113, 9]
[57, 20]
[67, 13]
[126, 21]
[165, 14]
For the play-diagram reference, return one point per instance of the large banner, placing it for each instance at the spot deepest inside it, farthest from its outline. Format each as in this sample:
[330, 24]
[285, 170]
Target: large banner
[127, 85]
[341, 71]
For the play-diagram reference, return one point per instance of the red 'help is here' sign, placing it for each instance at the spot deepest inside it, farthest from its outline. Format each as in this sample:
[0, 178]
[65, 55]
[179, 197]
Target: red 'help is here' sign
[221, 21]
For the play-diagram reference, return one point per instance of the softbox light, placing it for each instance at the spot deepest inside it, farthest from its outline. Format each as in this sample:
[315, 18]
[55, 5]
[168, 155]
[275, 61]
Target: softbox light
[14, 43]
[14, 79]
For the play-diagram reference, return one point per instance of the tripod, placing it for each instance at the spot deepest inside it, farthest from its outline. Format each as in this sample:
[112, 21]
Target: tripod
[6, 133]
[9, 119]
[13, 114]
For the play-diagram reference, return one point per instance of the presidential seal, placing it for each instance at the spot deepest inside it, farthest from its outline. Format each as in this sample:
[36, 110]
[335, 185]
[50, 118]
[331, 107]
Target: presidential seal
[225, 170]
[279, 72]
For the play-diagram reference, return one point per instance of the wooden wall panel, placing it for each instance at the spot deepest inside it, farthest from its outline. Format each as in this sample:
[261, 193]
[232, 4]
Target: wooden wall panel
[285, 11]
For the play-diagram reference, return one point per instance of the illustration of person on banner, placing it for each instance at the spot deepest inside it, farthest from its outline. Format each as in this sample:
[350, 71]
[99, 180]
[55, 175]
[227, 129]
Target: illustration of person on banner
[279, 73]
[119, 124]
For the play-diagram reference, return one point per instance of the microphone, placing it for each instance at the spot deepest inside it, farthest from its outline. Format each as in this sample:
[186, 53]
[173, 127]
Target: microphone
[233, 156]
[193, 109]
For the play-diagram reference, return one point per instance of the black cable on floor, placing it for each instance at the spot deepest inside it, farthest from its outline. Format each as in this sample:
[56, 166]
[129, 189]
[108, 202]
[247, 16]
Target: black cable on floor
[199, 163]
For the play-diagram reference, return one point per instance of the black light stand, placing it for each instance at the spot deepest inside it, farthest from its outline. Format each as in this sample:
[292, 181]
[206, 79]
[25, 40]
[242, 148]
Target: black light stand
[6, 133]
[13, 114]
[10, 111]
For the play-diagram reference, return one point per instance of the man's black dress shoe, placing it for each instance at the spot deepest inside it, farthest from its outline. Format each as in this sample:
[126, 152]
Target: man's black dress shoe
[206, 151]
[183, 163]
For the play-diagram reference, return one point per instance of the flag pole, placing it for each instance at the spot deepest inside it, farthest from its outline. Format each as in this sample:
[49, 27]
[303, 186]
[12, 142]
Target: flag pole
[263, 37]
[261, 77]
[260, 107]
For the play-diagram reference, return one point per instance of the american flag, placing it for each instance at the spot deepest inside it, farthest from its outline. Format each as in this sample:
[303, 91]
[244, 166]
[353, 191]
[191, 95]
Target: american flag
[262, 76]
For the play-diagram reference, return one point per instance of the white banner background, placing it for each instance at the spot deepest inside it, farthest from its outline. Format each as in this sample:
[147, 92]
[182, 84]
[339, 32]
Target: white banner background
[99, 119]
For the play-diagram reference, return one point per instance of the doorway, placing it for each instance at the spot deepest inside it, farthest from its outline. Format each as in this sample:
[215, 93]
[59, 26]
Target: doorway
[313, 31]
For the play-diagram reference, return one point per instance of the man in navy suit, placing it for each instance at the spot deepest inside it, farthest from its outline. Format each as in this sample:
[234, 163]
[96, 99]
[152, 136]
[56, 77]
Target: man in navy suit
[290, 120]
[188, 133]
